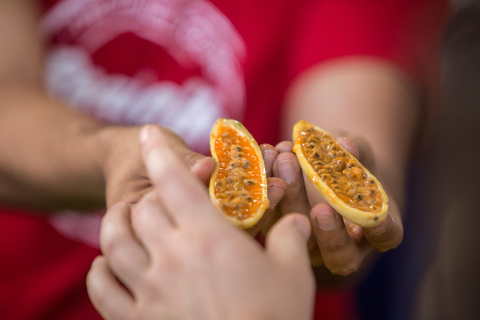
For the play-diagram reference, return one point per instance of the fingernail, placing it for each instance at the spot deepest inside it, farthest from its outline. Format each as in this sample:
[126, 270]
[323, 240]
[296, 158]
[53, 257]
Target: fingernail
[95, 261]
[303, 227]
[270, 154]
[144, 133]
[286, 170]
[326, 222]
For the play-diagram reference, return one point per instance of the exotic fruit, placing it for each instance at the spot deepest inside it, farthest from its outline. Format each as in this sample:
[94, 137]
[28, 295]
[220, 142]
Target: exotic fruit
[238, 186]
[341, 179]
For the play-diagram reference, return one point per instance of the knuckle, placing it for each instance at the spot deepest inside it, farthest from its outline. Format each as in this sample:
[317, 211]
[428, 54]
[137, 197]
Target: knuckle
[345, 270]
[109, 241]
[388, 243]
[190, 158]
[333, 245]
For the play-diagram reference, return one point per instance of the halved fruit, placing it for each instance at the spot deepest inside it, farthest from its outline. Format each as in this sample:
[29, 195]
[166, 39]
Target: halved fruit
[238, 186]
[342, 180]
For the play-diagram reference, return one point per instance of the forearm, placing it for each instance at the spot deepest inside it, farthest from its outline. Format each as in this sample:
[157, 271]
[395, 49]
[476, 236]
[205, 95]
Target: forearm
[366, 98]
[50, 155]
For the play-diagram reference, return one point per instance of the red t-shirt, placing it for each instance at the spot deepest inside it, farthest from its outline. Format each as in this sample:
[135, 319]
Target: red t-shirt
[183, 64]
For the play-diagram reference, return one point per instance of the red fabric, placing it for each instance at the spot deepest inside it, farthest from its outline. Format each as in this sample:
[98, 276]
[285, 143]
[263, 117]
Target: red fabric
[335, 305]
[42, 273]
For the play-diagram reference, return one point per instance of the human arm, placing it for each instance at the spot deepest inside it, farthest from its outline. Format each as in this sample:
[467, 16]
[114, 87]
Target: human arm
[373, 100]
[53, 157]
[368, 70]
[179, 258]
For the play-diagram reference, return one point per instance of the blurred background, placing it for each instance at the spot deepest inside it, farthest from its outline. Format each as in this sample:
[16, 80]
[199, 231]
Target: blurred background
[435, 273]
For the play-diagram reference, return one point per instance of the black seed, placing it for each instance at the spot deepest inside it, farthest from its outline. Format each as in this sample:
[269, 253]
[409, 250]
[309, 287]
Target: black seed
[238, 149]
[233, 165]
[249, 199]
[246, 164]
[316, 155]
[372, 192]
[376, 217]
[334, 181]
[250, 183]
[219, 183]
[319, 163]
[358, 196]
[311, 146]
[334, 148]
[372, 182]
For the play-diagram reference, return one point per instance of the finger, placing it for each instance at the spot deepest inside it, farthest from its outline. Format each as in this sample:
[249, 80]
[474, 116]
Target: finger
[108, 296]
[181, 195]
[151, 223]
[127, 258]
[349, 145]
[340, 253]
[287, 241]
[360, 149]
[269, 154]
[202, 168]
[385, 236]
[276, 190]
[288, 169]
[200, 165]
[284, 146]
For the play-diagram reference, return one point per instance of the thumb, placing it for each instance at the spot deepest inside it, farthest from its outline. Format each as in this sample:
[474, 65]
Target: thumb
[202, 167]
[287, 241]
[198, 164]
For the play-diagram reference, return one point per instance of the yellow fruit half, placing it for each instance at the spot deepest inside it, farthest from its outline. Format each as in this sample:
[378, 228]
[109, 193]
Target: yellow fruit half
[238, 186]
[342, 180]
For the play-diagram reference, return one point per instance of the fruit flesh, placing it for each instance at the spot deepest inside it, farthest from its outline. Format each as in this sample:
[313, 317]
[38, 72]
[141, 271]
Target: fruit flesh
[339, 170]
[238, 182]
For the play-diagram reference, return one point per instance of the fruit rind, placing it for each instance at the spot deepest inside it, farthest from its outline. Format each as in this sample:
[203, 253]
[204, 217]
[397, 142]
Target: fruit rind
[239, 128]
[360, 217]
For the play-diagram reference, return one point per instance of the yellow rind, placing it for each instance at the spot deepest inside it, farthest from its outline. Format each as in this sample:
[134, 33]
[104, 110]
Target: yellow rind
[249, 222]
[362, 218]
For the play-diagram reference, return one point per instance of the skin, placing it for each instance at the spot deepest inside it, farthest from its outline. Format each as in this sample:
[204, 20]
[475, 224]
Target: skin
[79, 162]
[213, 271]
[82, 163]
[375, 112]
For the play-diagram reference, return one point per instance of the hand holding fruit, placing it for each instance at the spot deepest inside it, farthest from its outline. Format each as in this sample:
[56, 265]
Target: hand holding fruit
[175, 256]
[338, 244]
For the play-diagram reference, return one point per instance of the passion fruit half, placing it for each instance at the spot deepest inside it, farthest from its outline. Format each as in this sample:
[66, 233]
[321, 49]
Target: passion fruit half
[238, 186]
[340, 178]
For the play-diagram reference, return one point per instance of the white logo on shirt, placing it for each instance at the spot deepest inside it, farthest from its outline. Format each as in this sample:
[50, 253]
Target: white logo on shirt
[193, 32]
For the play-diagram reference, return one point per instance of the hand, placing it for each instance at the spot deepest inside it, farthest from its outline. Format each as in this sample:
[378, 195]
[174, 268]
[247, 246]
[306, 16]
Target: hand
[175, 256]
[337, 243]
[125, 175]
[127, 180]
